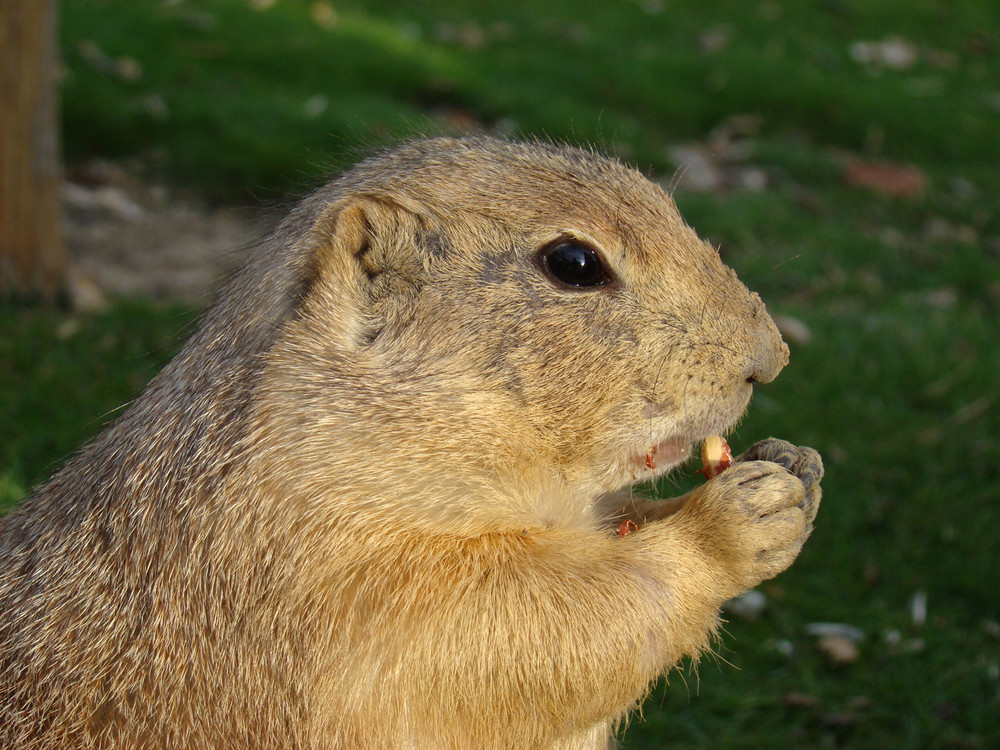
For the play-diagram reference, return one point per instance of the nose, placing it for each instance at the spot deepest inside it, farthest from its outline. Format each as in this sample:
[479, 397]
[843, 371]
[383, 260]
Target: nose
[770, 355]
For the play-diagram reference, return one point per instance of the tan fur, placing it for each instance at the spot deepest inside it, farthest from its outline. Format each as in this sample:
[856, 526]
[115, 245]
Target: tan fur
[372, 503]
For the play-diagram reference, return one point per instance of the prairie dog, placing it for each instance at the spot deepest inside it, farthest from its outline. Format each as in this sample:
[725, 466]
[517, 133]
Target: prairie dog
[372, 503]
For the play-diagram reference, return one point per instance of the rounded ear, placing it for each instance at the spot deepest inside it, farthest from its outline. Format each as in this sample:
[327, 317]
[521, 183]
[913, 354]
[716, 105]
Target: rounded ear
[367, 268]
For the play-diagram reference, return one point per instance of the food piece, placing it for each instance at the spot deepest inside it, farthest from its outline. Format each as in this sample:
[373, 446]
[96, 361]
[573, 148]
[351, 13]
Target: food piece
[716, 456]
[626, 527]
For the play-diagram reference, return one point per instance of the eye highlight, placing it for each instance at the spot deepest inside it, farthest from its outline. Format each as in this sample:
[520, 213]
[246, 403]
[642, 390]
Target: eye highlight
[574, 264]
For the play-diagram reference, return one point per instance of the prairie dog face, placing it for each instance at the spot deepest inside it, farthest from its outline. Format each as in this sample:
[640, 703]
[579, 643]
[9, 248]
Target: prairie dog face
[526, 307]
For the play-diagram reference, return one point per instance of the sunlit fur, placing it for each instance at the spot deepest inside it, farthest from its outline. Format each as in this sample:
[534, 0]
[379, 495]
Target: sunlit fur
[372, 503]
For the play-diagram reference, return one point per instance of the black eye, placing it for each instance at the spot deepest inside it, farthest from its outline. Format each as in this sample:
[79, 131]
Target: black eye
[574, 264]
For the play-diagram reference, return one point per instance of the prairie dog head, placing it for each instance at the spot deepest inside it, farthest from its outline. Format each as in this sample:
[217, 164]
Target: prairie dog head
[478, 307]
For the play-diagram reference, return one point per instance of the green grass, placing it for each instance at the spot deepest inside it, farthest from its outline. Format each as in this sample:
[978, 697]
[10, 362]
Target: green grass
[215, 73]
[63, 377]
[897, 386]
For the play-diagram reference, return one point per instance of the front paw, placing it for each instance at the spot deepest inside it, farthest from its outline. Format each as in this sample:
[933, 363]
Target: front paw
[753, 519]
[805, 463]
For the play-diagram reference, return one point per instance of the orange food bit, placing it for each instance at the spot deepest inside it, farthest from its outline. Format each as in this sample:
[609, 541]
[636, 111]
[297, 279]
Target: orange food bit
[626, 527]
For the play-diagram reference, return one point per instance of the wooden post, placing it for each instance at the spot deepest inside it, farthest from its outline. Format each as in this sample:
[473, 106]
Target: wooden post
[32, 257]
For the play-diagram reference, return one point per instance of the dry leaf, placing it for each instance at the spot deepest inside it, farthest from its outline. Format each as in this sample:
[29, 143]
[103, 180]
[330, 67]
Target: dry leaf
[747, 607]
[792, 329]
[323, 15]
[890, 178]
[893, 52]
[838, 649]
[836, 630]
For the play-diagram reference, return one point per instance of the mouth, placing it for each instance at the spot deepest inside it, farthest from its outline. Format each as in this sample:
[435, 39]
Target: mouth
[674, 442]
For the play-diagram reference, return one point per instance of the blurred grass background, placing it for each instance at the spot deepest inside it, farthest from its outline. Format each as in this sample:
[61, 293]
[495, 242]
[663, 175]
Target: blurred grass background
[845, 156]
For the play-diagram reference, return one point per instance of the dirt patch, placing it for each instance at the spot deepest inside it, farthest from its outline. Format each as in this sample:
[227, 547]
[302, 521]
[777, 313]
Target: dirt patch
[126, 238]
